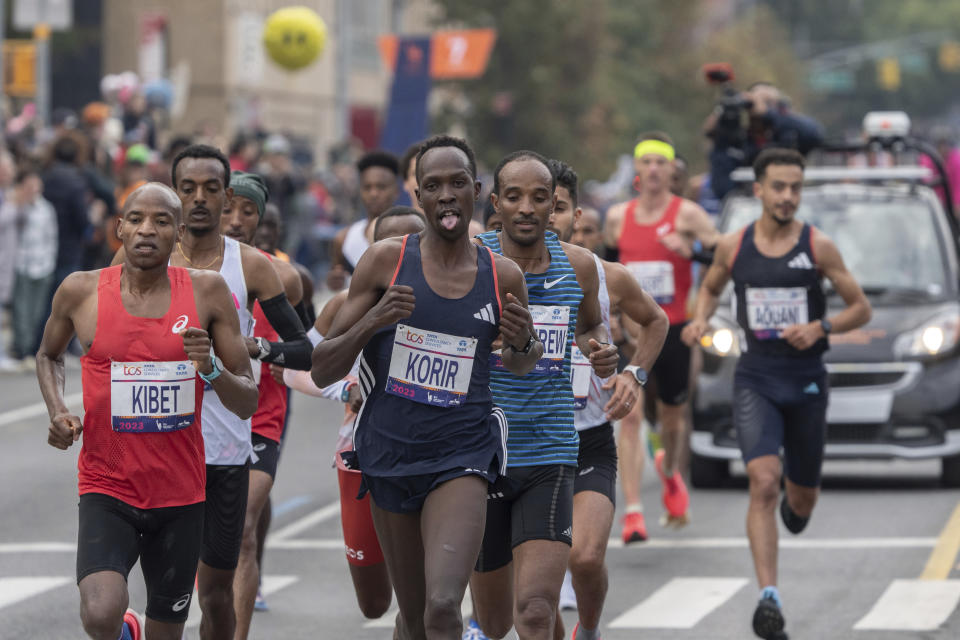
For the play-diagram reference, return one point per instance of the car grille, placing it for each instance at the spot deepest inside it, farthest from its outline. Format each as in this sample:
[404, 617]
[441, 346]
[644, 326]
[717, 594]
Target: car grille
[841, 379]
[853, 432]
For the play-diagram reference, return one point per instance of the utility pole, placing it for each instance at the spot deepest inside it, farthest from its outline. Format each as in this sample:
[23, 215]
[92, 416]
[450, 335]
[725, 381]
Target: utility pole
[41, 38]
[342, 84]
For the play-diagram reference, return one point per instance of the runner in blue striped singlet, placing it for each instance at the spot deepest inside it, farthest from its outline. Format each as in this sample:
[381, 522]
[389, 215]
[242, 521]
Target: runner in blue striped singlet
[425, 310]
[529, 512]
[599, 402]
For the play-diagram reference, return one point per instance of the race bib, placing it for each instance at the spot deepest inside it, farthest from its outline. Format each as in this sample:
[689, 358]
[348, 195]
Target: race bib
[656, 278]
[771, 310]
[552, 325]
[429, 367]
[152, 397]
[580, 371]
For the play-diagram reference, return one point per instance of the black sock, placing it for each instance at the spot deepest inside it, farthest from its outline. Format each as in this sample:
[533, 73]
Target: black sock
[793, 522]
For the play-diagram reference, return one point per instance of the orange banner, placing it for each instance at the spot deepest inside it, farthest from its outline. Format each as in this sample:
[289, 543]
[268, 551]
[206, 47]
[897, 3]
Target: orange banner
[453, 54]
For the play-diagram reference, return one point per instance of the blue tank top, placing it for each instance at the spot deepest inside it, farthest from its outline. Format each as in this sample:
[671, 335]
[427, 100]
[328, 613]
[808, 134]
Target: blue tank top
[539, 406]
[426, 382]
[774, 293]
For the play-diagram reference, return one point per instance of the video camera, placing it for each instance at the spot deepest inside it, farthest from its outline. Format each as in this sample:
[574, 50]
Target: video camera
[732, 107]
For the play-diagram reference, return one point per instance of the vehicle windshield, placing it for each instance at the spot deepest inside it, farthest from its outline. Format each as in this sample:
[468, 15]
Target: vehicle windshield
[888, 246]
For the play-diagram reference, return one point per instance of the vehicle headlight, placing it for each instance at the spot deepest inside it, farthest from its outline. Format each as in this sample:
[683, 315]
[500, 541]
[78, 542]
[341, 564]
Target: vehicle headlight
[937, 335]
[721, 341]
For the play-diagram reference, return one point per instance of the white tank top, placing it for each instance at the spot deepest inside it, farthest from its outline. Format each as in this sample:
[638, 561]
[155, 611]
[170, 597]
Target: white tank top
[355, 243]
[592, 415]
[226, 438]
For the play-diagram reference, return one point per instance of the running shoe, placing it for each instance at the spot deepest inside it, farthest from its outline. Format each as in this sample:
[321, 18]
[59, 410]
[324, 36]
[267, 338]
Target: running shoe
[132, 626]
[676, 498]
[768, 619]
[260, 604]
[634, 528]
[568, 597]
[576, 628]
[473, 631]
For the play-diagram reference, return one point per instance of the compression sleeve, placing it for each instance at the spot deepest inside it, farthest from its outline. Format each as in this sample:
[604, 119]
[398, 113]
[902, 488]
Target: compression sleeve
[703, 256]
[611, 254]
[295, 350]
[304, 311]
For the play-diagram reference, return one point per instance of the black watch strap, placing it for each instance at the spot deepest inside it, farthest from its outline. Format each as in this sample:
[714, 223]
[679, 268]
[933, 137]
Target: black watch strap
[526, 348]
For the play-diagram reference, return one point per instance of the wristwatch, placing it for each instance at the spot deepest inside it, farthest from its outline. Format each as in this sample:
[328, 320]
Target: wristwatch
[826, 325]
[639, 374]
[264, 347]
[526, 348]
[345, 393]
[217, 364]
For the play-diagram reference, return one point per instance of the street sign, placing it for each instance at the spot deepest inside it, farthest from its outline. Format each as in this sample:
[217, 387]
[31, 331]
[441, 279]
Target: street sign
[57, 14]
[19, 68]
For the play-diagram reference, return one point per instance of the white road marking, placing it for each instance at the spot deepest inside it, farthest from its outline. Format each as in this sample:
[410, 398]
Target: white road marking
[913, 605]
[38, 547]
[36, 410]
[271, 584]
[14, 590]
[307, 521]
[387, 620]
[679, 604]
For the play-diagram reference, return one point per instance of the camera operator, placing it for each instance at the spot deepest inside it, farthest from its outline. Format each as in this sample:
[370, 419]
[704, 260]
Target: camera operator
[770, 124]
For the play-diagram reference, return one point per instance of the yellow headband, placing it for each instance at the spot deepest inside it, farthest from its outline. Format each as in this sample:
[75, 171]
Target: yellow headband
[653, 146]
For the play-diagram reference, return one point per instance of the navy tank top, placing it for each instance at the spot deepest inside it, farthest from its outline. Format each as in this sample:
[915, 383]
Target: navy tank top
[774, 293]
[425, 381]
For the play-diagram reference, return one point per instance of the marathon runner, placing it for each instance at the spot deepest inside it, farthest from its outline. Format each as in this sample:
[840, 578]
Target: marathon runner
[379, 189]
[240, 220]
[146, 330]
[201, 177]
[598, 402]
[780, 390]
[364, 555]
[653, 235]
[530, 512]
[425, 311]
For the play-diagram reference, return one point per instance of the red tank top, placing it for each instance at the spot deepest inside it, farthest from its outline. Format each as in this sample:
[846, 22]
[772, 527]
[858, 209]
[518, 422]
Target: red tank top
[662, 273]
[272, 408]
[142, 442]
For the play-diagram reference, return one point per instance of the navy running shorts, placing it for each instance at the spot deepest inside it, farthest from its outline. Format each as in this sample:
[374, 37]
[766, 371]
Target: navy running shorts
[671, 371]
[597, 462]
[788, 409]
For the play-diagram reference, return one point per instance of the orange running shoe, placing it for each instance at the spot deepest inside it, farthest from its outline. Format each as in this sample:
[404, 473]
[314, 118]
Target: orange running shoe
[676, 498]
[634, 528]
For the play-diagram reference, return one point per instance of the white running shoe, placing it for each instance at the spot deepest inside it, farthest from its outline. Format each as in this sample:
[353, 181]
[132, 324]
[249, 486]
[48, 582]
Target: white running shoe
[568, 598]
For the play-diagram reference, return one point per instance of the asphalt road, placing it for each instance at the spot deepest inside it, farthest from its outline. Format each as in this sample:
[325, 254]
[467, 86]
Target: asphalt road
[855, 573]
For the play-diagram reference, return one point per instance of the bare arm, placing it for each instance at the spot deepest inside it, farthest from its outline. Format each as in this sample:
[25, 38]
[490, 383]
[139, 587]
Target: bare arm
[591, 334]
[371, 304]
[65, 427]
[857, 312]
[290, 278]
[337, 275]
[235, 386]
[516, 325]
[613, 224]
[716, 278]
[649, 323]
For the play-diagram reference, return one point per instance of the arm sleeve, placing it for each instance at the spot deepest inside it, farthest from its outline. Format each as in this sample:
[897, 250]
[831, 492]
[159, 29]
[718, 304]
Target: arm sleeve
[295, 350]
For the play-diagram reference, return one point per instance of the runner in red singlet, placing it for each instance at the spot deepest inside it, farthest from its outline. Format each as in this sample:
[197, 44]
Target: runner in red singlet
[146, 331]
[654, 235]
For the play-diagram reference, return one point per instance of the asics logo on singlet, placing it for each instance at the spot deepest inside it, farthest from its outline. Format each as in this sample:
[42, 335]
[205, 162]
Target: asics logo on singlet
[485, 314]
[260, 446]
[800, 261]
[550, 285]
[181, 604]
[586, 471]
[663, 229]
[179, 324]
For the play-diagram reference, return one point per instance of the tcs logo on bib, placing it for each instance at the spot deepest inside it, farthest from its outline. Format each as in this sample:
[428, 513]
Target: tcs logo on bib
[415, 338]
[132, 371]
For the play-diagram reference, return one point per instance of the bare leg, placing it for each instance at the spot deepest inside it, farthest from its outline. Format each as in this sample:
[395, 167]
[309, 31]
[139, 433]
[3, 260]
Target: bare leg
[372, 586]
[215, 592]
[247, 578]
[399, 535]
[673, 422]
[103, 601]
[801, 499]
[764, 476]
[592, 519]
[539, 566]
[631, 456]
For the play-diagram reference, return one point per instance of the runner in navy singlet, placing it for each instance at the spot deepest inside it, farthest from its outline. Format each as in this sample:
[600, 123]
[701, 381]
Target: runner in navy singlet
[780, 389]
[425, 311]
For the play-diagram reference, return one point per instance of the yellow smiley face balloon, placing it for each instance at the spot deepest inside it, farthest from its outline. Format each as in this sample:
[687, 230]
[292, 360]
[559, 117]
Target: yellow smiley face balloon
[294, 37]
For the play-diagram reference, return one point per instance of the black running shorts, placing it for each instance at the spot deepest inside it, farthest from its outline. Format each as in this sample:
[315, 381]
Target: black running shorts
[529, 503]
[671, 371]
[113, 534]
[597, 462]
[223, 515]
[267, 453]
